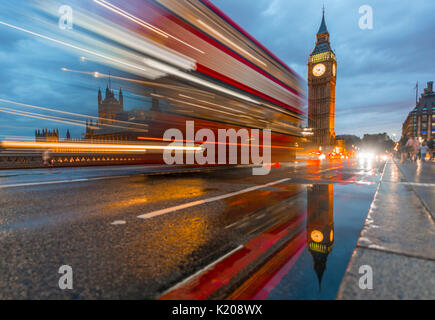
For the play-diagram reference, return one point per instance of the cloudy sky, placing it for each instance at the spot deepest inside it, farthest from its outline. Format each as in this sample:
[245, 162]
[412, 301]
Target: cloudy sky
[377, 69]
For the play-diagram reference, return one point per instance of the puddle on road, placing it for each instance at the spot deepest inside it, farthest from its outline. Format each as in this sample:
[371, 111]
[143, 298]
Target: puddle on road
[335, 217]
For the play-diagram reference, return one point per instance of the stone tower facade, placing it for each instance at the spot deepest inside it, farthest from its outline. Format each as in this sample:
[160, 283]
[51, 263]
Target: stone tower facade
[322, 73]
[110, 106]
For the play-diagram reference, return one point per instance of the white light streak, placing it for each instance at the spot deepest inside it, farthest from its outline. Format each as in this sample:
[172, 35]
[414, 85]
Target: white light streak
[211, 103]
[175, 72]
[73, 114]
[230, 42]
[142, 23]
[92, 146]
[97, 54]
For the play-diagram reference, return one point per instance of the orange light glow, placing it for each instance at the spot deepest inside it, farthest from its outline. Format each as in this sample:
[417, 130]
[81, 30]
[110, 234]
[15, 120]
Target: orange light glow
[215, 142]
[316, 236]
[92, 147]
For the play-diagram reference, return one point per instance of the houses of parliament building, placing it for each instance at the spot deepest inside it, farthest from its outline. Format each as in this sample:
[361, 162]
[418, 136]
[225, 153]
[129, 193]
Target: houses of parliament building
[114, 123]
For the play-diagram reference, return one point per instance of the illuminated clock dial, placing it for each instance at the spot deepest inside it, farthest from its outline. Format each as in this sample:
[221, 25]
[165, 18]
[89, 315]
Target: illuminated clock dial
[333, 70]
[316, 236]
[319, 69]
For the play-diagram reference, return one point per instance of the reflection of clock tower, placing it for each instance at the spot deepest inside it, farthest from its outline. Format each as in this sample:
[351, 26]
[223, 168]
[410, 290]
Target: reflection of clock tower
[321, 89]
[320, 225]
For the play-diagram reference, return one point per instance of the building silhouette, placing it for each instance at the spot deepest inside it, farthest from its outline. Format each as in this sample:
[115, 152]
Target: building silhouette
[110, 107]
[114, 123]
[420, 122]
[322, 68]
[46, 135]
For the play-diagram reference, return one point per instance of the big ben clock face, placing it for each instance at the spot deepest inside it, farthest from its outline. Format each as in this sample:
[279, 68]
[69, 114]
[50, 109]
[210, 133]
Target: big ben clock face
[319, 69]
[316, 236]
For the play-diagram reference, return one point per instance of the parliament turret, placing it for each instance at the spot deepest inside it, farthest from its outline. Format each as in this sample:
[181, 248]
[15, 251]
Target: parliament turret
[110, 106]
[46, 135]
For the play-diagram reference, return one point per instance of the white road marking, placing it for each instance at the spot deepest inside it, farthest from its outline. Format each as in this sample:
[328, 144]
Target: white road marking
[364, 182]
[156, 213]
[418, 184]
[201, 271]
[260, 216]
[330, 169]
[118, 222]
[231, 225]
[29, 184]
[243, 225]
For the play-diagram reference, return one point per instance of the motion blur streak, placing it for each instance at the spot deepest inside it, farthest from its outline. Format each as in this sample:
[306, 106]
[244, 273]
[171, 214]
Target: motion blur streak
[199, 106]
[65, 120]
[210, 103]
[170, 70]
[92, 147]
[105, 28]
[141, 22]
[177, 61]
[127, 15]
[42, 117]
[144, 71]
[74, 114]
[229, 41]
[146, 83]
[215, 142]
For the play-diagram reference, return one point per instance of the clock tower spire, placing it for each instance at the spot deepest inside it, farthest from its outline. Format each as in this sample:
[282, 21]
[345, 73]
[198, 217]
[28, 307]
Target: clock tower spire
[322, 67]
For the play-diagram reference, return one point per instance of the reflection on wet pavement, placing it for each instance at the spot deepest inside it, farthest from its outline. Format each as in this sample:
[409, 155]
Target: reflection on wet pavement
[334, 218]
[303, 264]
[287, 240]
[320, 225]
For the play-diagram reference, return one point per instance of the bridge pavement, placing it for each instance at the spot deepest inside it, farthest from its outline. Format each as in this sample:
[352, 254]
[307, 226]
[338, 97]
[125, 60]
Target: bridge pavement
[398, 237]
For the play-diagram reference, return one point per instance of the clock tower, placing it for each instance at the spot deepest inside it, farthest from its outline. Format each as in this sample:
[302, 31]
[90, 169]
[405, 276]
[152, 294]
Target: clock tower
[322, 69]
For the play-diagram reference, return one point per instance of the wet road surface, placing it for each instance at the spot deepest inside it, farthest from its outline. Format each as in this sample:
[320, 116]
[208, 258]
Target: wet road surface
[132, 236]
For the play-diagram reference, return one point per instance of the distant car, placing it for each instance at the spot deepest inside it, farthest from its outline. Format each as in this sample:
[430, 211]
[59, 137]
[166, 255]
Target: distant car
[316, 155]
